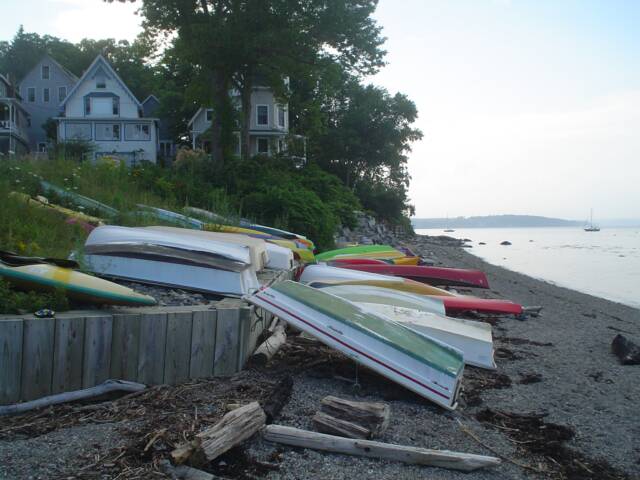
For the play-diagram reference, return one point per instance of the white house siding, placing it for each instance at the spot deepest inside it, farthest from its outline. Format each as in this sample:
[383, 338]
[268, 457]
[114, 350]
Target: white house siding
[129, 150]
[77, 124]
[272, 130]
[39, 110]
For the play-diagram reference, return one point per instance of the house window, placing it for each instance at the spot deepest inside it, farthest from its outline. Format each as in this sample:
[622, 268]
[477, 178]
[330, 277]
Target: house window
[282, 147]
[45, 95]
[78, 131]
[45, 72]
[263, 145]
[87, 106]
[116, 106]
[101, 81]
[31, 94]
[209, 115]
[42, 147]
[108, 131]
[137, 132]
[262, 112]
[62, 93]
[281, 116]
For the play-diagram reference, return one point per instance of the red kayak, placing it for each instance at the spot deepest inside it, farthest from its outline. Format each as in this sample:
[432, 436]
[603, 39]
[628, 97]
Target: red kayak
[422, 273]
[459, 304]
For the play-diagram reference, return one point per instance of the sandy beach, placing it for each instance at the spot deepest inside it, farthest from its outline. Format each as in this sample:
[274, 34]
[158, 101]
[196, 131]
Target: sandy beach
[559, 405]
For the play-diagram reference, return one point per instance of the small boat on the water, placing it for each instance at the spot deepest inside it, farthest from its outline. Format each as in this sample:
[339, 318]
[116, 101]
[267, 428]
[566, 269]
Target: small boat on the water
[422, 273]
[591, 227]
[426, 366]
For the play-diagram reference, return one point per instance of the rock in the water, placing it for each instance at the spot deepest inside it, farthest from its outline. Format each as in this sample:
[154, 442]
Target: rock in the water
[506, 242]
[482, 243]
[627, 351]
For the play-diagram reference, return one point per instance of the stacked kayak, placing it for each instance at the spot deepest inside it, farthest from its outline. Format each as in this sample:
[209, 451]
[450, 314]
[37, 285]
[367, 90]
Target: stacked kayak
[44, 276]
[426, 366]
[376, 252]
[321, 276]
[172, 259]
[422, 273]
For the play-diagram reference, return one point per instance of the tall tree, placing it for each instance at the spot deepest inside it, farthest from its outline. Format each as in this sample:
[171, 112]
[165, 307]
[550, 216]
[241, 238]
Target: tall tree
[239, 41]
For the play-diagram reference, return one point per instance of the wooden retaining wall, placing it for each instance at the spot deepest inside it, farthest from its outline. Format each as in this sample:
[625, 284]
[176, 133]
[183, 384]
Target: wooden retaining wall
[43, 356]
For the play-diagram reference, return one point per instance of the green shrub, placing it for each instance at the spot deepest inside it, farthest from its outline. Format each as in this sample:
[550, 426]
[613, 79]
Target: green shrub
[15, 302]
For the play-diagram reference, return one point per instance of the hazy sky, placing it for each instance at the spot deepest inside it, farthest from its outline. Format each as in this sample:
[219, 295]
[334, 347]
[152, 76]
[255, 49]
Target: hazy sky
[527, 106]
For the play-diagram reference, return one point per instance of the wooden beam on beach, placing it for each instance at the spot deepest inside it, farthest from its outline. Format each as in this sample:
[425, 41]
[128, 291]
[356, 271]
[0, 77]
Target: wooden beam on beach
[367, 448]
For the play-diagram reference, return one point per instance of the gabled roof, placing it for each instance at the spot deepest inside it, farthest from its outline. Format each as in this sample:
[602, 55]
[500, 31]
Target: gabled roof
[101, 61]
[195, 115]
[71, 75]
[150, 97]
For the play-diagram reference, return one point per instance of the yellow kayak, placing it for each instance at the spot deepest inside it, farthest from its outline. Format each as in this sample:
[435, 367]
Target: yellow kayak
[47, 278]
[304, 254]
[402, 285]
[406, 260]
[42, 202]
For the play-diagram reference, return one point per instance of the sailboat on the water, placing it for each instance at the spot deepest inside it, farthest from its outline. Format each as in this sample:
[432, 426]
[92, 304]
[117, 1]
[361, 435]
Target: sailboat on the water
[591, 227]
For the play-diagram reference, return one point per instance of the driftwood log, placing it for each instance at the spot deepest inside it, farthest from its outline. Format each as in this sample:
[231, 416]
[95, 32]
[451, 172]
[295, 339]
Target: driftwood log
[334, 426]
[421, 456]
[105, 387]
[271, 345]
[234, 428]
[373, 416]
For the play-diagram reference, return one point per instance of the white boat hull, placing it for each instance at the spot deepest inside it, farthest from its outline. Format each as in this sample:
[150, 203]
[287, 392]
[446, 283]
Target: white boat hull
[473, 339]
[381, 356]
[177, 275]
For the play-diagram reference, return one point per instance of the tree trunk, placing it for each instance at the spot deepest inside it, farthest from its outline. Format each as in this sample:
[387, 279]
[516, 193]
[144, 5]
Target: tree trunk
[221, 118]
[245, 97]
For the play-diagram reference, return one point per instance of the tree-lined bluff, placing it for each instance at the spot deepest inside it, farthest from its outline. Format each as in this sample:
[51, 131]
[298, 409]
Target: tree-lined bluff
[195, 53]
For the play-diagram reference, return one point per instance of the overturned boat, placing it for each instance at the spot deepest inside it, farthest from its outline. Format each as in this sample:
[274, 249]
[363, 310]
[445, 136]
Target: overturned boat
[172, 259]
[474, 339]
[440, 276]
[426, 366]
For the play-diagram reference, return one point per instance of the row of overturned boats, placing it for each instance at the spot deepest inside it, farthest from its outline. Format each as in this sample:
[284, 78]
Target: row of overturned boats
[380, 305]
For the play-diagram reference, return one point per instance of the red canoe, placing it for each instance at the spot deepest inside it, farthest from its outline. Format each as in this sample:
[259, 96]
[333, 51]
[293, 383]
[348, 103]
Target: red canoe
[459, 304]
[422, 273]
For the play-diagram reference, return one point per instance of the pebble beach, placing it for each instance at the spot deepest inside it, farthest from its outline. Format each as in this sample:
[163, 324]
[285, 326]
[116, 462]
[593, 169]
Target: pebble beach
[558, 406]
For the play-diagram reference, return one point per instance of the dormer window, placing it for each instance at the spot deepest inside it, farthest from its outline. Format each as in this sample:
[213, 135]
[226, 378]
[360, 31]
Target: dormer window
[45, 72]
[116, 106]
[209, 114]
[101, 81]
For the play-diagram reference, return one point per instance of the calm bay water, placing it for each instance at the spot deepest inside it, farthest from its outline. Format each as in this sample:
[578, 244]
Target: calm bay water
[605, 264]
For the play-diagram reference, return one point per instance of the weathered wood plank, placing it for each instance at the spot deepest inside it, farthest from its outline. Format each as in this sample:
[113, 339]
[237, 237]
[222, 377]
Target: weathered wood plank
[153, 339]
[368, 448]
[37, 357]
[227, 341]
[244, 335]
[98, 332]
[372, 415]
[203, 342]
[335, 426]
[67, 354]
[125, 346]
[178, 351]
[11, 331]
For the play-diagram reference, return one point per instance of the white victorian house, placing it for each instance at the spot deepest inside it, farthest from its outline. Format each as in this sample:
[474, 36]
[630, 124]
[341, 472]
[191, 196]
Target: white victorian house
[101, 109]
[268, 130]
